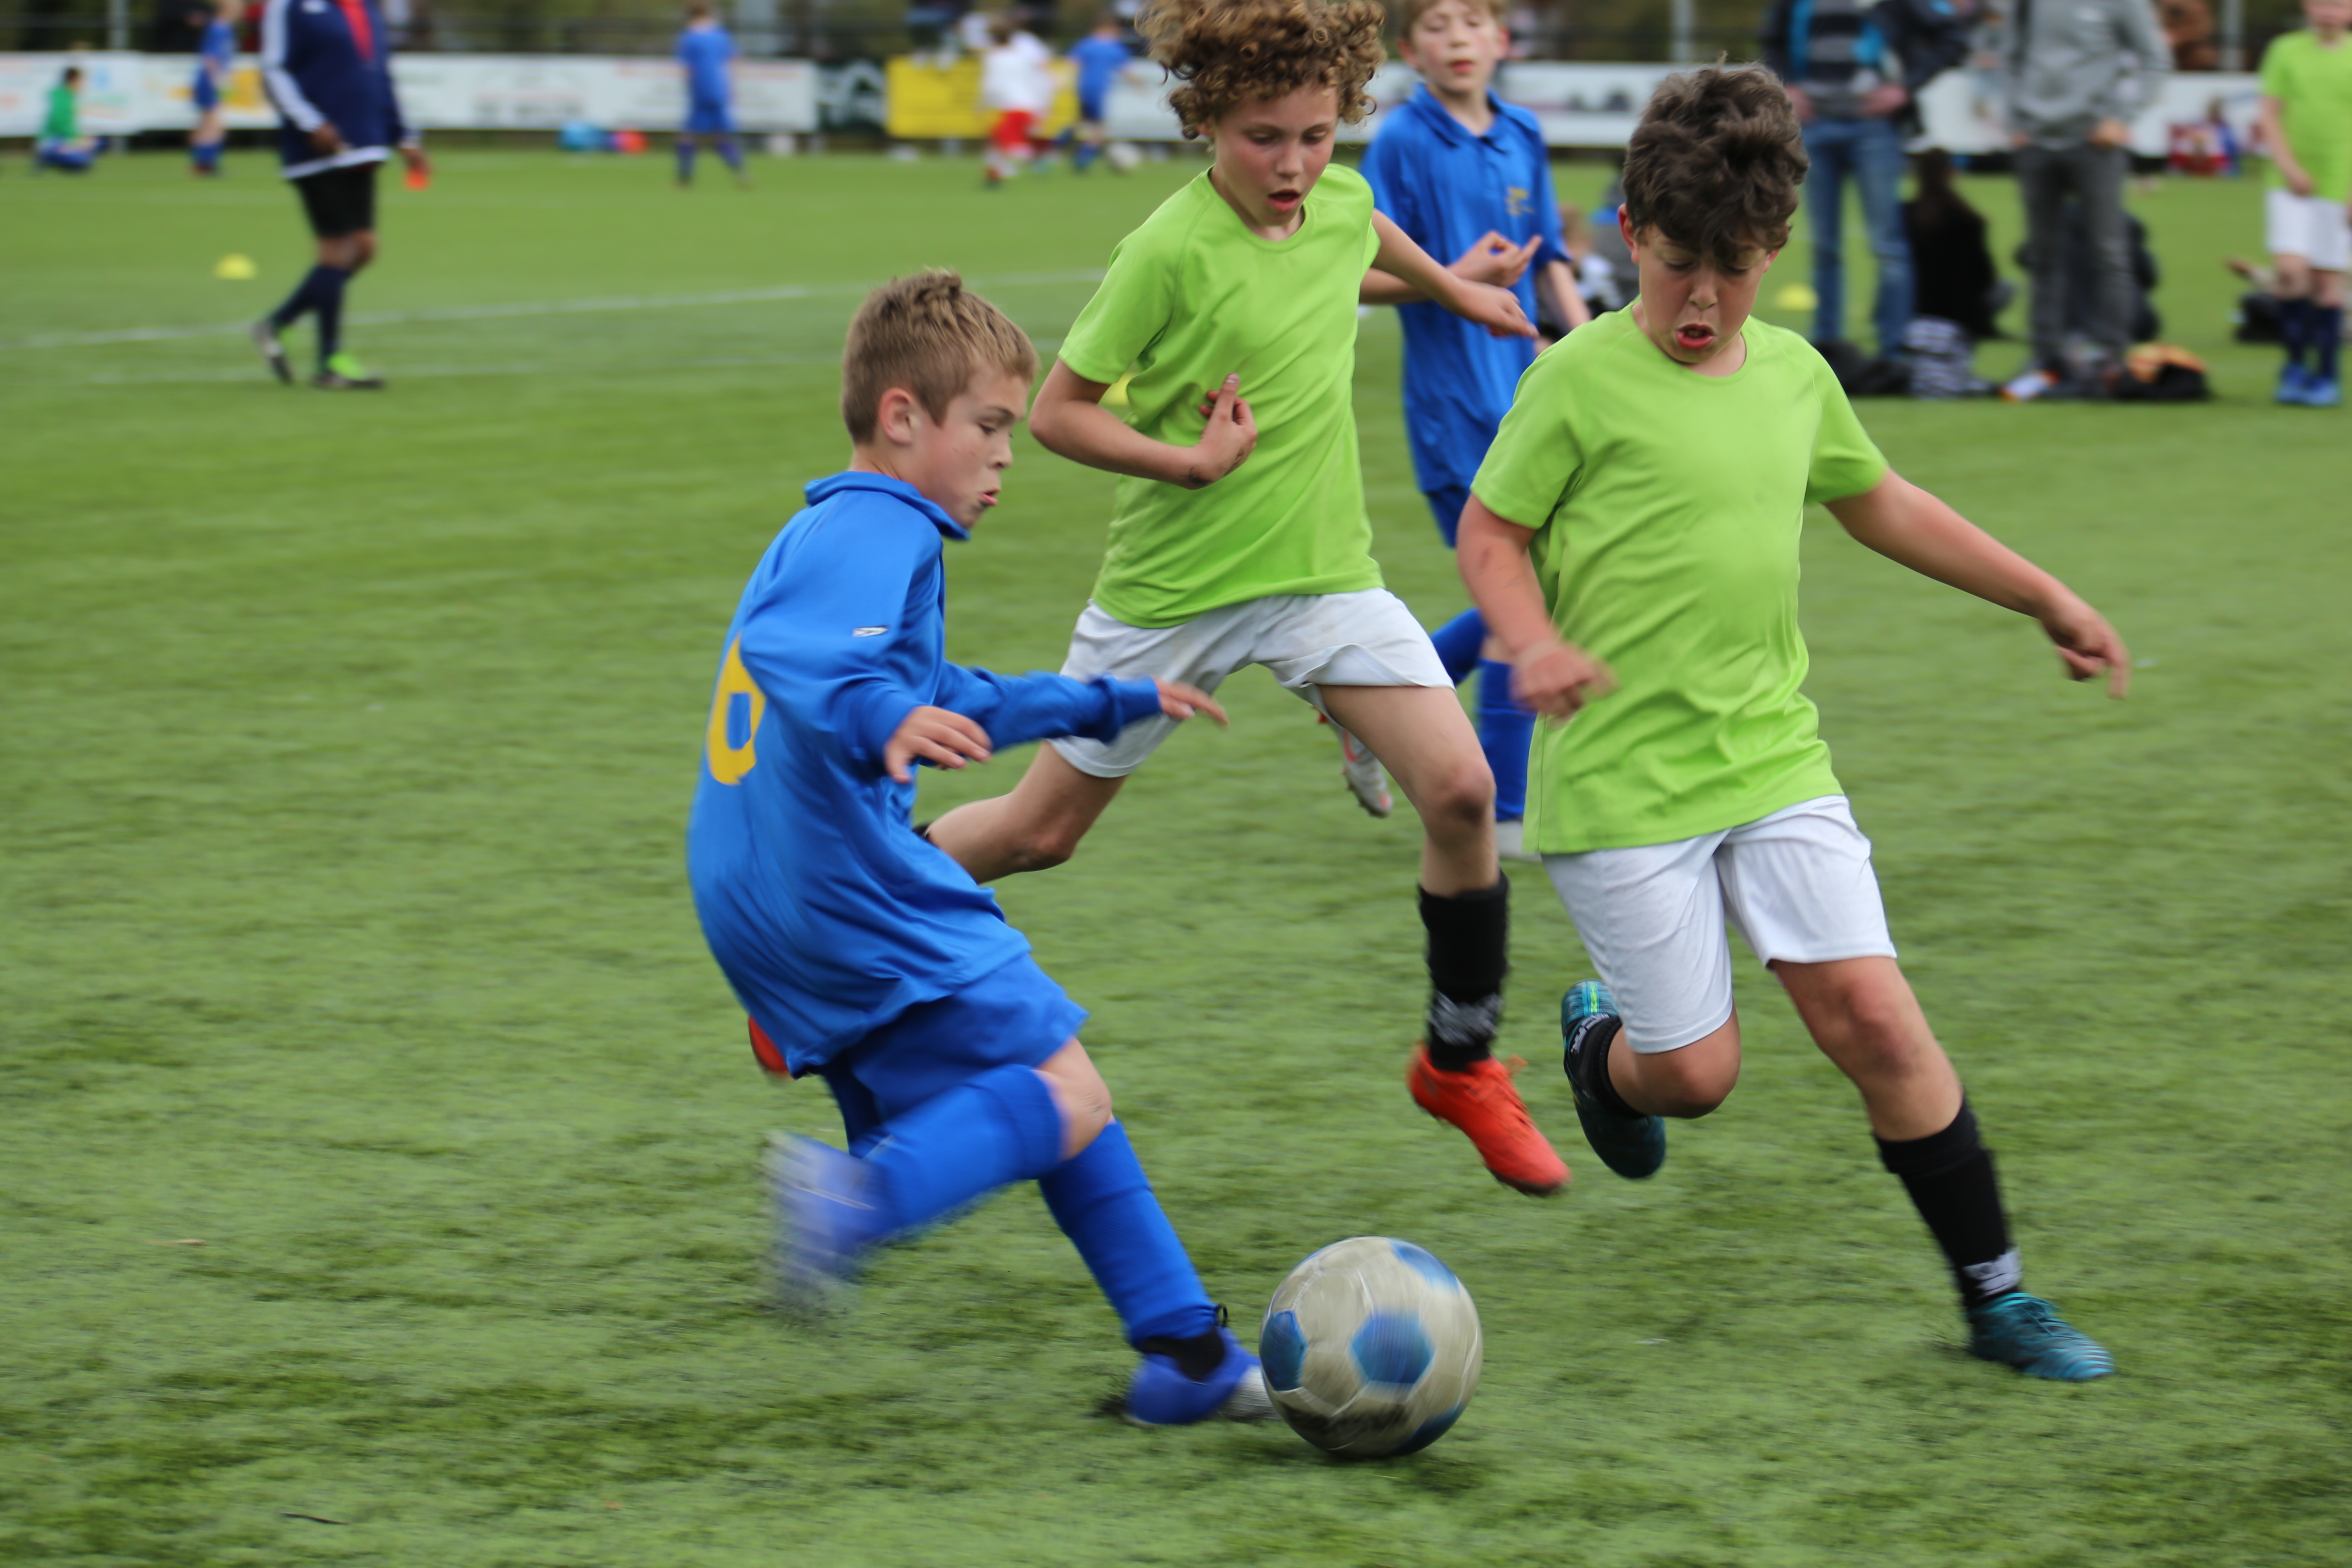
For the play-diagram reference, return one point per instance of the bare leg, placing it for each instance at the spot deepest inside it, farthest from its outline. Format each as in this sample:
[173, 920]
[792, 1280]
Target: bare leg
[1861, 1014]
[1425, 739]
[1037, 825]
[1079, 1094]
[1687, 1082]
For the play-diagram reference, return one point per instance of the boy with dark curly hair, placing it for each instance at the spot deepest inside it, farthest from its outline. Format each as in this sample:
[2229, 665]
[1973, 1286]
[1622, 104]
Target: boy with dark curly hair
[1646, 496]
[1239, 535]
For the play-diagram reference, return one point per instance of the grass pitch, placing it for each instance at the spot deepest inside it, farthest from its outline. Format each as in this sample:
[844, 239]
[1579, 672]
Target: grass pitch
[379, 1139]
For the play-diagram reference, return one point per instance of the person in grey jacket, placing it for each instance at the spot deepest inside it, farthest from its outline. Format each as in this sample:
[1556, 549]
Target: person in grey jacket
[2079, 71]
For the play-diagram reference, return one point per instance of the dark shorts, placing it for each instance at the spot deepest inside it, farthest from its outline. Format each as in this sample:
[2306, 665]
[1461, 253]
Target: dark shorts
[340, 201]
[709, 116]
[1012, 1016]
[1446, 506]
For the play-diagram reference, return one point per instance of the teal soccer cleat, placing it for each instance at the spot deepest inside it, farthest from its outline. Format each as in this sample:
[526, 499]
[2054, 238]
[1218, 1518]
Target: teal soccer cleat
[2026, 1333]
[1633, 1146]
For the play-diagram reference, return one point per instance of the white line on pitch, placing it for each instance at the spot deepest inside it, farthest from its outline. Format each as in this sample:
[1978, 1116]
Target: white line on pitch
[538, 307]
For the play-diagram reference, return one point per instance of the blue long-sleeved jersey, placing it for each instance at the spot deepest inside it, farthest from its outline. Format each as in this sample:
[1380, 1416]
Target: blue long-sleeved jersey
[828, 913]
[326, 62]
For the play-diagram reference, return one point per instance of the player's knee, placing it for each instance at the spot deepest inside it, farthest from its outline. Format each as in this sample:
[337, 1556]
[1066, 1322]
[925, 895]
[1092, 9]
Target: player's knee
[1461, 800]
[1045, 845]
[1691, 1089]
[1080, 1094]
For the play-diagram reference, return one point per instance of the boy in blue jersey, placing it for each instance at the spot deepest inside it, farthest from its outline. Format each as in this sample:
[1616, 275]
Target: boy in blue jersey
[868, 956]
[216, 63]
[1100, 55]
[1467, 175]
[705, 49]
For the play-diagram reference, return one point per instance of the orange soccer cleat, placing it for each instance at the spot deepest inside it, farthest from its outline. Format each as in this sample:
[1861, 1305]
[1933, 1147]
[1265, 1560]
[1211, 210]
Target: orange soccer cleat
[1484, 1104]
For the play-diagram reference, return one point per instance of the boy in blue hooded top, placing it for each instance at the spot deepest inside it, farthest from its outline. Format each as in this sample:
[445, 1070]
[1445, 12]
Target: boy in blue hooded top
[868, 956]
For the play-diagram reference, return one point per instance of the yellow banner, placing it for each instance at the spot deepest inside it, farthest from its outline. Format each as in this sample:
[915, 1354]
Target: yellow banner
[926, 101]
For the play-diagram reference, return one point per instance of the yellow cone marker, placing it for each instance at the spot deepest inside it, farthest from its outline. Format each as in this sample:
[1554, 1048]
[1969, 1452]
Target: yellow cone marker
[236, 269]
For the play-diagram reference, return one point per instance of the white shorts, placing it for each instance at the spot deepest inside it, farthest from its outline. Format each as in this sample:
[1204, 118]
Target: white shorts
[1797, 884]
[2310, 226]
[1307, 640]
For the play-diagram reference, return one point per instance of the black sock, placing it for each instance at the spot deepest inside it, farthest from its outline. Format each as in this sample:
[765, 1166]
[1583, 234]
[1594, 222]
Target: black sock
[329, 304]
[1197, 1357]
[1949, 1175]
[1589, 1059]
[1469, 953]
[304, 298]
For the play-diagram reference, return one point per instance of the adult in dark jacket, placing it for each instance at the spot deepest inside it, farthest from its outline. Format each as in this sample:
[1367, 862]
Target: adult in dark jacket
[328, 66]
[1952, 265]
[1854, 69]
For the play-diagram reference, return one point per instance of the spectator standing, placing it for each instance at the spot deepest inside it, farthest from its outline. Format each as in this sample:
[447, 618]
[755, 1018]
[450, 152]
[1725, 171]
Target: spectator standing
[2307, 125]
[1100, 57]
[328, 67]
[1854, 69]
[2079, 70]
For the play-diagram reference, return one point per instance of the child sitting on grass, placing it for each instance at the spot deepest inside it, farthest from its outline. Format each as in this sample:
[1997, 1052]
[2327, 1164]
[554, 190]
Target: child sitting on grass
[1645, 496]
[867, 956]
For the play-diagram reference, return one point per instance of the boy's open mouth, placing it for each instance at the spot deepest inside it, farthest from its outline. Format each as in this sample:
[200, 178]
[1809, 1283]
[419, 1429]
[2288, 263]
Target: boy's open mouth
[1693, 335]
[1283, 201]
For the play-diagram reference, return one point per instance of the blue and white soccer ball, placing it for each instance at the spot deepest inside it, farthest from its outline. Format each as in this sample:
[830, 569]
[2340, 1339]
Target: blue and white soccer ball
[1371, 1348]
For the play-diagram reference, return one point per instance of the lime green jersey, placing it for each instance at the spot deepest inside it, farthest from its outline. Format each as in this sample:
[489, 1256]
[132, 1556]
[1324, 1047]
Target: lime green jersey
[1668, 507]
[2314, 87]
[1191, 298]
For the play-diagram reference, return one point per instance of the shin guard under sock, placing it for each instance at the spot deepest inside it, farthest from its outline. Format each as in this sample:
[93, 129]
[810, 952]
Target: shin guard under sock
[1949, 1175]
[2294, 329]
[306, 297]
[1458, 643]
[2326, 335]
[1506, 730]
[1469, 953]
[329, 304]
[1104, 1203]
[1000, 1127]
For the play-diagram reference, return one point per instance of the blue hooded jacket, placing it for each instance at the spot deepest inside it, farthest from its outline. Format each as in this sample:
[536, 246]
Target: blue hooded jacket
[828, 913]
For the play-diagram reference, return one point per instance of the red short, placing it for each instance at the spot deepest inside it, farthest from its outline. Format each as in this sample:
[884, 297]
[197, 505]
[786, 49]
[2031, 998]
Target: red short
[1010, 132]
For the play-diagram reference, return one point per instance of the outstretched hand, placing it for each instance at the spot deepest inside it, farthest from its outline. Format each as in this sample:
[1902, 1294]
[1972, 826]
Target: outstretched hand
[1556, 678]
[1495, 259]
[1231, 437]
[2086, 644]
[1181, 701]
[1496, 310]
[933, 735]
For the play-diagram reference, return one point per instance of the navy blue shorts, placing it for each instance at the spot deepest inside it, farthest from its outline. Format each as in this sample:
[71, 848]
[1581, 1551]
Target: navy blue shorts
[204, 93]
[1447, 507]
[1014, 1015]
[709, 116]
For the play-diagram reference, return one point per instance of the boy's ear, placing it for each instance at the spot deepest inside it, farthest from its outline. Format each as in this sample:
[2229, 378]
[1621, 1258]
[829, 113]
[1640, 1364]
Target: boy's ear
[895, 417]
[1626, 228]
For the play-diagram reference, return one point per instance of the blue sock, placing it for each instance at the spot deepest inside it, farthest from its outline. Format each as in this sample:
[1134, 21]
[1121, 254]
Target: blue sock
[1104, 1205]
[2293, 317]
[1458, 642]
[731, 153]
[328, 301]
[1000, 1127]
[1505, 729]
[686, 160]
[1085, 156]
[2325, 336]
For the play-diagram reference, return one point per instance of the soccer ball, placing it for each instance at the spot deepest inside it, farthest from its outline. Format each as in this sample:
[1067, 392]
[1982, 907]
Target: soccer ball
[1371, 1348]
[1122, 156]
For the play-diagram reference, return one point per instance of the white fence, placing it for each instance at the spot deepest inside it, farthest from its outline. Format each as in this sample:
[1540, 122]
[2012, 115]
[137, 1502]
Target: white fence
[1580, 105]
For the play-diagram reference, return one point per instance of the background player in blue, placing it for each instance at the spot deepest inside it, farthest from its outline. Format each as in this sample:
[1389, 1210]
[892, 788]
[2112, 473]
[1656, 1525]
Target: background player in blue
[216, 61]
[1467, 175]
[1100, 55]
[705, 49]
[868, 956]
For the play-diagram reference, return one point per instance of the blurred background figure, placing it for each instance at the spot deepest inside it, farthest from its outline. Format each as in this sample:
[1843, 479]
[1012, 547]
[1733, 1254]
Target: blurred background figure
[2189, 29]
[61, 146]
[1100, 57]
[216, 64]
[1016, 79]
[1854, 69]
[1955, 290]
[2079, 70]
[2306, 110]
[706, 52]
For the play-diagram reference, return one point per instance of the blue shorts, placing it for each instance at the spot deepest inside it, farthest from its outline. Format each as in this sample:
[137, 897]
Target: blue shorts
[1093, 108]
[207, 95]
[1446, 506]
[709, 116]
[1014, 1015]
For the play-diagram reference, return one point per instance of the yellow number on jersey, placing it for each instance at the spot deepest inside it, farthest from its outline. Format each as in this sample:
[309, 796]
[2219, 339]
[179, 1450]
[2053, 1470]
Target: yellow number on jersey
[729, 763]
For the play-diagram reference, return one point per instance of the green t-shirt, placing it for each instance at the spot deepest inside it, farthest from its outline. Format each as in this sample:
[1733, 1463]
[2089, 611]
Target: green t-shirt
[2314, 87]
[1668, 505]
[1191, 298]
[63, 123]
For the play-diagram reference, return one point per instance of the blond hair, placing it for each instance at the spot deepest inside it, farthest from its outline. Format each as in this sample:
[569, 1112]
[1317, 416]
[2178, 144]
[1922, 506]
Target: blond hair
[1409, 12]
[1225, 52]
[926, 335]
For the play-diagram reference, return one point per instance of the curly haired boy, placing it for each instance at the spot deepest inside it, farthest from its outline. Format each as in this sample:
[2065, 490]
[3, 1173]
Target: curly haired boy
[1238, 535]
[1646, 496]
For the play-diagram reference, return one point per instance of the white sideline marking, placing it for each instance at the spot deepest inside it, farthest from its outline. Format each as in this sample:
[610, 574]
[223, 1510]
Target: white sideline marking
[437, 372]
[538, 307]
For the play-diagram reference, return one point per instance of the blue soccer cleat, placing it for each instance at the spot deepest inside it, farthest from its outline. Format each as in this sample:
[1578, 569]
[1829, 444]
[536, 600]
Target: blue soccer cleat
[1161, 1395]
[2026, 1333]
[2293, 382]
[826, 1221]
[1633, 1146]
[2321, 392]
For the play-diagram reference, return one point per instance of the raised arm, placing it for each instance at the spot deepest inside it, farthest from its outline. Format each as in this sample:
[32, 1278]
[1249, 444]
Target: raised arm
[1068, 419]
[1907, 524]
[1552, 677]
[1496, 310]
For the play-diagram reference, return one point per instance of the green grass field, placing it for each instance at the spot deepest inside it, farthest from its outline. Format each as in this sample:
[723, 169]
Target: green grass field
[378, 1141]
